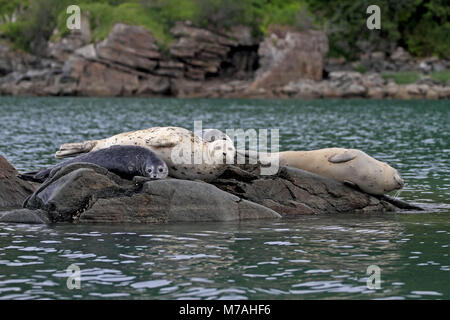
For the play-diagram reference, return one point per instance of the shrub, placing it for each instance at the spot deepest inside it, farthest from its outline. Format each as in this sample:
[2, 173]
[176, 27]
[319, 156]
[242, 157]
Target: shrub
[402, 77]
[421, 26]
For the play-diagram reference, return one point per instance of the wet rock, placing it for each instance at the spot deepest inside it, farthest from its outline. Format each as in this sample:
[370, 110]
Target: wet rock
[295, 192]
[88, 193]
[176, 200]
[24, 216]
[13, 191]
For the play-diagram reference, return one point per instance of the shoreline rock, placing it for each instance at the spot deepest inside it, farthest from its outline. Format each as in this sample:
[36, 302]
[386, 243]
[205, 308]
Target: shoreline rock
[86, 193]
[203, 63]
[13, 191]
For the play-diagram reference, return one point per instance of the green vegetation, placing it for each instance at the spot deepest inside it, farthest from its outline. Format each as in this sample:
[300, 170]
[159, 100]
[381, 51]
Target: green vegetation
[421, 26]
[442, 76]
[412, 76]
[361, 68]
[7, 7]
[402, 77]
[158, 16]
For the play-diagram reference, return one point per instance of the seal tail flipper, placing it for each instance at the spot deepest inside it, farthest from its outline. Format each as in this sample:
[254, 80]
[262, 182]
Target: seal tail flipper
[34, 176]
[29, 176]
[75, 148]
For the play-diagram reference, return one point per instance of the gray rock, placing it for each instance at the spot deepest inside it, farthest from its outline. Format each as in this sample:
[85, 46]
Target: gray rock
[295, 192]
[174, 201]
[24, 216]
[87, 193]
[287, 55]
[13, 191]
[400, 55]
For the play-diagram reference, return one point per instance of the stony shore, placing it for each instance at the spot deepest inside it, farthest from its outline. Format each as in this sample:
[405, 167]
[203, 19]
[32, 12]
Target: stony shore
[202, 63]
[86, 193]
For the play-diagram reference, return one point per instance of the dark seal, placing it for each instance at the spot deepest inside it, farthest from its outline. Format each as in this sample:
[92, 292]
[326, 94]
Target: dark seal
[125, 161]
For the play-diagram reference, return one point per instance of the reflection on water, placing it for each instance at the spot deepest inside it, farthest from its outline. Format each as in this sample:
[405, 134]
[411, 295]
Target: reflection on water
[309, 257]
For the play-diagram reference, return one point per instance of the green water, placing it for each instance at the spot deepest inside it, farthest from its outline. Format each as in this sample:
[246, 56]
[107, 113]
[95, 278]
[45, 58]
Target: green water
[305, 258]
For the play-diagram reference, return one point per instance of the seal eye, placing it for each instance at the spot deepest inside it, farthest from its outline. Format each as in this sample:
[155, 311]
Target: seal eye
[160, 169]
[149, 170]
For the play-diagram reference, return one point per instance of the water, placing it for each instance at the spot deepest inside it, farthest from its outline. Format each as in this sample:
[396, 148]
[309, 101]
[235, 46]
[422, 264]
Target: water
[305, 258]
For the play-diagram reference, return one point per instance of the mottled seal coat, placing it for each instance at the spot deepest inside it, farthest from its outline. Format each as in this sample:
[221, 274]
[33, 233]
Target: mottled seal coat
[346, 165]
[187, 155]
[125, 161]
[211, 135]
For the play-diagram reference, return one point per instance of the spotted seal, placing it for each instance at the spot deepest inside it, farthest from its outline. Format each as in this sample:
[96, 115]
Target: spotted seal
[187, 155]
[351, 166]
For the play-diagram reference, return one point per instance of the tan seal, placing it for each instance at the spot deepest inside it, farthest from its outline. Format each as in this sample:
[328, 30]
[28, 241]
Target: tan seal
[187, 155]
[346, 165]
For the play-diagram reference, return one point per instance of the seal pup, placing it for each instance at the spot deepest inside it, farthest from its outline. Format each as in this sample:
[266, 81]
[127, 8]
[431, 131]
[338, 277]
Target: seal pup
[187, 155]
[350, 166]
[125, 161]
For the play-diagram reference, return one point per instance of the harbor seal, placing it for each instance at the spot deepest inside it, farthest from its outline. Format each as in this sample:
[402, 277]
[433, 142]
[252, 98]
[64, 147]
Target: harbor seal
[187, 155]
[211, 135]
[350, 166]
[125, 161]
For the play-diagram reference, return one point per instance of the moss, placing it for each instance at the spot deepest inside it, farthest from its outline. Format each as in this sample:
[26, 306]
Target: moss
[402, 77]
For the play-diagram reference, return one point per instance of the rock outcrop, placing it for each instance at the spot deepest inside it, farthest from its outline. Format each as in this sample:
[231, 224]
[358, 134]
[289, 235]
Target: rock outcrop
[287, 55]
[13, 191]
[86, 193]
[351, 84]
[293, 192]
[211, 64]
[198, 62]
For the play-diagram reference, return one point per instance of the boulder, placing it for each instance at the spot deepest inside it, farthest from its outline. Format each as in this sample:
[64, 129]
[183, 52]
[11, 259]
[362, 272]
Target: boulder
[24, 216]
[287, 55]
[175, 200]
[13, 191]
[294, 192]
[99, 79]
[63, 47]
[87, 193]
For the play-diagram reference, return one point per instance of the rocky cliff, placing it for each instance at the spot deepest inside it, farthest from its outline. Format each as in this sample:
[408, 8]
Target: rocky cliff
[202, 63]
[128, 62]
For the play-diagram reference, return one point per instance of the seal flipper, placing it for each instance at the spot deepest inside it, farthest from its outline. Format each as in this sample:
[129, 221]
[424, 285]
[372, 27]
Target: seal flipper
[28, 176]
[35, 176]
[354, 185]
[75, 148]
[166, 142]
[140, 180]
[342, 157]
[50, 173]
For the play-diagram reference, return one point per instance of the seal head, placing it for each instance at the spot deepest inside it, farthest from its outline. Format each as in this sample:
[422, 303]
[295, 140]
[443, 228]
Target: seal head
[125, 161]
[155, 168]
